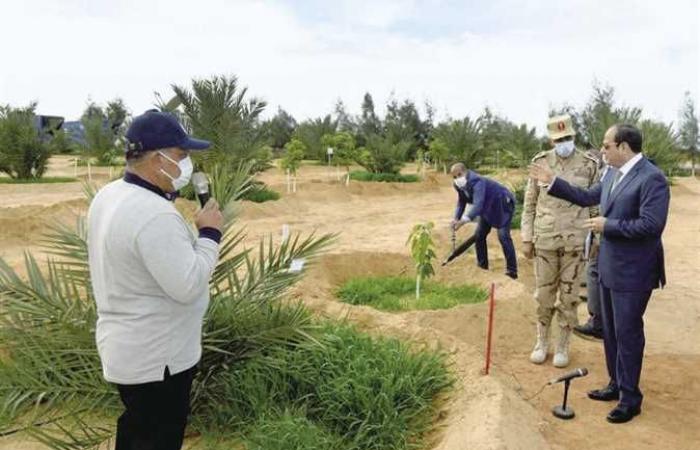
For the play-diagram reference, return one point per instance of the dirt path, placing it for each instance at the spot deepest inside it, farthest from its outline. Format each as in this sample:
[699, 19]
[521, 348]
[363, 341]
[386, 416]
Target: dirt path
[486, 412]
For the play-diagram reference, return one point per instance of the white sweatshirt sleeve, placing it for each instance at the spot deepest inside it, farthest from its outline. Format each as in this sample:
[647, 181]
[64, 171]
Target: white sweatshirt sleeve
[181, 268]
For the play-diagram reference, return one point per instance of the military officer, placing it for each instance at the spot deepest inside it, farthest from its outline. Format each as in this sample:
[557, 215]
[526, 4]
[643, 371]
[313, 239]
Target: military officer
[553, 233]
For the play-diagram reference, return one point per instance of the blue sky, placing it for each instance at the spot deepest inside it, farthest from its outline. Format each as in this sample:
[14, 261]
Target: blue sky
[518, 57]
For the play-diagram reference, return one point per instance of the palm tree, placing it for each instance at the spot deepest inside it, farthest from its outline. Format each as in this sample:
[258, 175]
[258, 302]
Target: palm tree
[51, 385]
[218, 110]
[462, 138]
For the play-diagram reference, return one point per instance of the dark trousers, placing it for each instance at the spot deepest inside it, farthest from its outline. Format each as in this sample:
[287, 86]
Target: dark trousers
[483, 229]
[623, 335]
[593, 300]
[156, 413]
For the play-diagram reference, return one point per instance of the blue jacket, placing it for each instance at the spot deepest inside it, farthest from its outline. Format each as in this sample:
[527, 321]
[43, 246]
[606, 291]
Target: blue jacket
[631, 254]
[490, 200]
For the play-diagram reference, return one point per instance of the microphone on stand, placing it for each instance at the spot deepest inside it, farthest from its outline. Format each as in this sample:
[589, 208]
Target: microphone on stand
[201, 187]
[582, 372]
[563, 411]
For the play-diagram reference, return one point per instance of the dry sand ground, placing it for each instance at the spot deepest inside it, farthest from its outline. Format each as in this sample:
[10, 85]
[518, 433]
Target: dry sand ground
[486, 412]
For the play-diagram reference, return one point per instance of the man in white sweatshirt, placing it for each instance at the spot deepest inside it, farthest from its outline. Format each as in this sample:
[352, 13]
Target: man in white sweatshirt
[150, 275]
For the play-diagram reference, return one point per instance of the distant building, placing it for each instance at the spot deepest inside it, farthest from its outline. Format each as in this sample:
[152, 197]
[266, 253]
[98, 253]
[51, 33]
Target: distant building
[75, 131]
[47, 126]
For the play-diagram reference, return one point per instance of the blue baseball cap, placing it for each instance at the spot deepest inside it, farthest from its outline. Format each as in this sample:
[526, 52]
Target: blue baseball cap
[154, 130]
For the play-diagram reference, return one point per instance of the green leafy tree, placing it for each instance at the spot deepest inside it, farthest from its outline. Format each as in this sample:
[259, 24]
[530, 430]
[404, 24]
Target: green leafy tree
[280, 129]
[293, 155]
[439, 153]
[660, 145]
[491, 137]
[60, 143]
[23, 154]
[369, 123]
[381, 155]
[311, 133]
[422, 248]
[343, 145]
[600, 113]
[689, 136]
[343, 119]
[104, 130]
[404, 124]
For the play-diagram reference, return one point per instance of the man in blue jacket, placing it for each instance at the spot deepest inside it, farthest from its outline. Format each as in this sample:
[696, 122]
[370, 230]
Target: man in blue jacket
[494, 205]
[634, 208]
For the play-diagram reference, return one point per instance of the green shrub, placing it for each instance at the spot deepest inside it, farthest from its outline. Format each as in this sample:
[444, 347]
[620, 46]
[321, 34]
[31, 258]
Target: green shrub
[382, 155]
[45, 180]
[23, 154]
[361, 175]
[397, 294]
[348, 387]
[261, 194]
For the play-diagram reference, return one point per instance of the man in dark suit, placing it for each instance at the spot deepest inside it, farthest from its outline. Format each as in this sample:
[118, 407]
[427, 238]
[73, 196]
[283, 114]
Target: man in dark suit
[494, 205]
[634, 208]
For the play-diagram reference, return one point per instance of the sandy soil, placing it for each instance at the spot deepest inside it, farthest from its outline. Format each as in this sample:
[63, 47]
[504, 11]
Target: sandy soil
[499, 411]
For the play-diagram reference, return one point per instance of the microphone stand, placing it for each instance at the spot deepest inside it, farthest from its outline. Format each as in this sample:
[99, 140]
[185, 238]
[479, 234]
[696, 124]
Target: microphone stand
[562, 411]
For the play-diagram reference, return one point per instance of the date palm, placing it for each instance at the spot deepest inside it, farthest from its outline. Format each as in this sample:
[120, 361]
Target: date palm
[51, 384]
[218, 109]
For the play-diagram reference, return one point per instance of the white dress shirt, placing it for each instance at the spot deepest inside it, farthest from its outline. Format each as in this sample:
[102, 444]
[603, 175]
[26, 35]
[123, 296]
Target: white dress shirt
[624, 170]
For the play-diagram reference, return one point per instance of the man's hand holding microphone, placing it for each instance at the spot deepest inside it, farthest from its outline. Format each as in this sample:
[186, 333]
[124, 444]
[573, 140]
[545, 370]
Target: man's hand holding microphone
[209, 216]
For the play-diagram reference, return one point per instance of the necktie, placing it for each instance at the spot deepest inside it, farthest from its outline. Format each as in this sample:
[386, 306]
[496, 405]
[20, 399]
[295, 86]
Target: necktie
[618, 175]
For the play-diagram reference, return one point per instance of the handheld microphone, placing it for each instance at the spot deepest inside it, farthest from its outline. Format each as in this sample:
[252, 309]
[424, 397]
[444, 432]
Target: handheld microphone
[201, 187]
[582, 372]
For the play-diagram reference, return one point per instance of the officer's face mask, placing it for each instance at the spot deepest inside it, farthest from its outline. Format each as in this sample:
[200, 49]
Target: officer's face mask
[460, 182]
[186, 168]
[564, 149]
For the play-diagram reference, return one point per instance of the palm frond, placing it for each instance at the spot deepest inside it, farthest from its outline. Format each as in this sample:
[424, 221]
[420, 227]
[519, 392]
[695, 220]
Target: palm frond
[51, 384]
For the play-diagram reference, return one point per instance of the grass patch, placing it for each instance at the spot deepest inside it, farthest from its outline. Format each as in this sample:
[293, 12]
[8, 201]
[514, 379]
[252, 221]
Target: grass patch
[261, 194]
[43, 180]
[348, 391]
[291, 430]
[361, 175]
[399, 294]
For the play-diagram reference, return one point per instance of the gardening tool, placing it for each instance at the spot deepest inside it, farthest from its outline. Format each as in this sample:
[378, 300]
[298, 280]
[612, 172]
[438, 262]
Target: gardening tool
[463, 247]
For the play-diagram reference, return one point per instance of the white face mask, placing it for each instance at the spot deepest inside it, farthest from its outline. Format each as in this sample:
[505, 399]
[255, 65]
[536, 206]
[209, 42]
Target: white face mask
[186, 168]
[460, 182]
[564, 149]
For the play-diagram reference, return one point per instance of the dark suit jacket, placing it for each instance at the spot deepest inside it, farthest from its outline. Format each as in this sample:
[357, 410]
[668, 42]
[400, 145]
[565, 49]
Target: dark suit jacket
[490, 200]
[631, 254]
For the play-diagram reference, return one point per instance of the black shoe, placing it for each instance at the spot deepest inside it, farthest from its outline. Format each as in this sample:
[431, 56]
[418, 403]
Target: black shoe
[622, 414]
[607, 394]
[587, 331]
[512, 275]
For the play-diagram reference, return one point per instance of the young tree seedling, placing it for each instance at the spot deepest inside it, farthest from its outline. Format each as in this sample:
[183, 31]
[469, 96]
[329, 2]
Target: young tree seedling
[422, 248]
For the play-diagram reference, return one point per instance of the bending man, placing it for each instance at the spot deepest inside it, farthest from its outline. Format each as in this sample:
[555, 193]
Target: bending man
[494, 205]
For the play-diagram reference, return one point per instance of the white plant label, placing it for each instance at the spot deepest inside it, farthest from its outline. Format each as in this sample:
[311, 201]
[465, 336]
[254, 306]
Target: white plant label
[297, 265]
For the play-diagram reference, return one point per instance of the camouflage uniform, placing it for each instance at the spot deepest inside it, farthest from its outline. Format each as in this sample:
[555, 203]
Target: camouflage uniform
[594, 326]
[556, 228]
